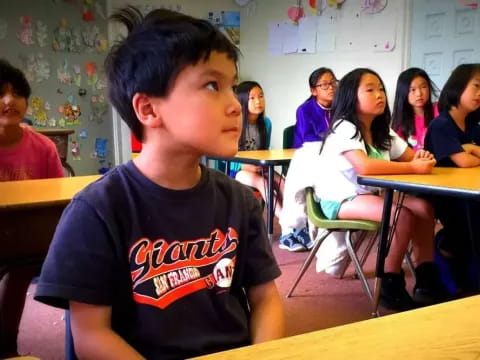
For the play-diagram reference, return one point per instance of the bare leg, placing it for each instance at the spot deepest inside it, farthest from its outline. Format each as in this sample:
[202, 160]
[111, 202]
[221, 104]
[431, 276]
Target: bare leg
[369, 207]
[424, 225]
[256, 180]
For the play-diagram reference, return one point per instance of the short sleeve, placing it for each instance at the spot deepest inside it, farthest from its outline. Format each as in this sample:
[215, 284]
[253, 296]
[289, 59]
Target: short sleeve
[398, 145]
[344, 138]
[443, 142]
[80, 264]
[260, 264]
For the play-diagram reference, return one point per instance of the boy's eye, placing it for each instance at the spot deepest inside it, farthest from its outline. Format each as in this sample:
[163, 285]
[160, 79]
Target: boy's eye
[212, 85]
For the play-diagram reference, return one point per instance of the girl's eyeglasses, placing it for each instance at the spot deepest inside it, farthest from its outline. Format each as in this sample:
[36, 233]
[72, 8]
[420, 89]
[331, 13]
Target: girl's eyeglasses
[326, 85]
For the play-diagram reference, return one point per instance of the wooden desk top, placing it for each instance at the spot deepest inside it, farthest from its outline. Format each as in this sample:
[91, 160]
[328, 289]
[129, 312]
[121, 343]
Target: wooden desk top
[280, 154]
[447, 181]
[54, 132]
[446, 331]
[32, 193]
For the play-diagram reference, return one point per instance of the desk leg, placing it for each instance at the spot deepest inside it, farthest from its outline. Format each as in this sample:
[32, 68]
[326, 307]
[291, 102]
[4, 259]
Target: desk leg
[382, 248]
[473, 244]
[270, 203]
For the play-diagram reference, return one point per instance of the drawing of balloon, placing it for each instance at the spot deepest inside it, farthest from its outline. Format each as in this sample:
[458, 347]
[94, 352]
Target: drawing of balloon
[295, 13]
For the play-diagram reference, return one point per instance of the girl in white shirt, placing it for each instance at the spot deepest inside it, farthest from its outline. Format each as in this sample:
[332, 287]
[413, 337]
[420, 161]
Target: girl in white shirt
[360, 142]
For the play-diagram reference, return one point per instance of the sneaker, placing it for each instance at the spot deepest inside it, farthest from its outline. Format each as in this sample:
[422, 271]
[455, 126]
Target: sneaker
[428, 289]
[393, 294]
[289, 242]
[303, 238]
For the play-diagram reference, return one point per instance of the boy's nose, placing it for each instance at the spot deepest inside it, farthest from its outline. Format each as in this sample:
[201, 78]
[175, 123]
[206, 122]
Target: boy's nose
[235, 106]
[7, 97]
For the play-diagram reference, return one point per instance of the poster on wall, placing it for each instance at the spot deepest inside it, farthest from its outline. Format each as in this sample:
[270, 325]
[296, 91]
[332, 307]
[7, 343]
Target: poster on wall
[228, 22]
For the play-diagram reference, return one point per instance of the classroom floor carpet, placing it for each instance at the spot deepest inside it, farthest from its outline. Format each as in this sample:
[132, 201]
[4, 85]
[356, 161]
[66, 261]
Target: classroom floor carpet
[319, 301]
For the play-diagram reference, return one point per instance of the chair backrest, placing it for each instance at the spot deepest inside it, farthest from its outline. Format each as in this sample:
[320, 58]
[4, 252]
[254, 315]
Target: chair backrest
[288, 136]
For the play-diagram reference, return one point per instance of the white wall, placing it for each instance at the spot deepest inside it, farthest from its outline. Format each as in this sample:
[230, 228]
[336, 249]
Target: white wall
[198, 8]
[285, 78]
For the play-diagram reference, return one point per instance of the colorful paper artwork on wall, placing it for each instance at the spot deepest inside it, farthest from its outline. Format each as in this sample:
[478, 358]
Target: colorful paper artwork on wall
[41, 33]
[35, 67]
[295, 13]
[335, 3]
[75, 149]
[37, 111]
[373, 6]
[99, 108]
[101, 147]
[473, 4]
[94, 40]
[65, 38]
[26, 30]
[71, 113]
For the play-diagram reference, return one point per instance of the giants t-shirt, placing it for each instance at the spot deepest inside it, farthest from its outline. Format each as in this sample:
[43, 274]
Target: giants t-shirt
[174, 265]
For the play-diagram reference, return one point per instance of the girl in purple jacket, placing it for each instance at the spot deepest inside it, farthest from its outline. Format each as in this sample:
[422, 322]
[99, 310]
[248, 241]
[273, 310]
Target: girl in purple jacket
[313, 116]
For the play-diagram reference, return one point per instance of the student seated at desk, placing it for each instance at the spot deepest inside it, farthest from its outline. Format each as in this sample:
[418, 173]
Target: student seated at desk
[313, 116]
[24, 154]
[163, 258]
[413, 109]
[313, 120]
[454, 138]
[360, 142]
[256, 134]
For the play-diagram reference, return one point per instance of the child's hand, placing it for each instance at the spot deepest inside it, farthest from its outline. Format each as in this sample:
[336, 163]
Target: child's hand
[423, 166]
[472, 149]
[423, 154]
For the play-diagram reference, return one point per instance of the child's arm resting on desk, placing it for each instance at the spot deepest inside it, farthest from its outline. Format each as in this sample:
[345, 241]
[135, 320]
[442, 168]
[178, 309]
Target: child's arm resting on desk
[93, 336]
[367, 166]
[470, 157]
[267, 316]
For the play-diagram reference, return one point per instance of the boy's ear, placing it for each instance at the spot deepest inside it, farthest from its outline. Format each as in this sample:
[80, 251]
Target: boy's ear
[146, 111]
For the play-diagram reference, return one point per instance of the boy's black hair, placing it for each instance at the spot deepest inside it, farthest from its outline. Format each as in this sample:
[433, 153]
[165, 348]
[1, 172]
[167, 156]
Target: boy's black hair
[10, 75]
[344, 108]
[403, 115]
[455, 85]
[243, 92]
[158, 47]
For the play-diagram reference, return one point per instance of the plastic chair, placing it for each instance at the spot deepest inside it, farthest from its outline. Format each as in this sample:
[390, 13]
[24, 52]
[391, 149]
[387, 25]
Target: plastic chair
[317, 221]
[288, 133]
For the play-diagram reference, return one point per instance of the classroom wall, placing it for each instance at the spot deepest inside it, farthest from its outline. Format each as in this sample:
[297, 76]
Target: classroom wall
[285, 77]
[54, 82]
[198, 8]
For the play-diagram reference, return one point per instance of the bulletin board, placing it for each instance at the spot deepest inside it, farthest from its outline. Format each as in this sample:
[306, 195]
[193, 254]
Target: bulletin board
[61, 46]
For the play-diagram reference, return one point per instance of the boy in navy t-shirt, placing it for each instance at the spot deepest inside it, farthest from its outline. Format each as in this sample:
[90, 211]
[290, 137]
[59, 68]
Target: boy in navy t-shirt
[163, 258]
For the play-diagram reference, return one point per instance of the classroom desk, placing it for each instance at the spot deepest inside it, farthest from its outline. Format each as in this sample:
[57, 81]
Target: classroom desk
[454, 182]
[269, 158]
[446, 331]
[29, 213]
